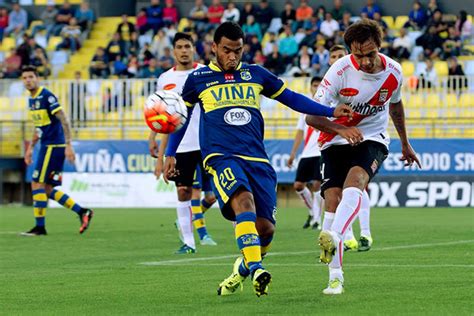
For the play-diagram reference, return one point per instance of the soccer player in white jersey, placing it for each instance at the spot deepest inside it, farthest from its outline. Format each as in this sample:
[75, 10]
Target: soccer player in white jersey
[308, 170]
[353, 150]
[189, 153]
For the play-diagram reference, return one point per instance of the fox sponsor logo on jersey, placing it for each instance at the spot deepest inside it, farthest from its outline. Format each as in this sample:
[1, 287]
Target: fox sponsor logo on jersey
[237, 117]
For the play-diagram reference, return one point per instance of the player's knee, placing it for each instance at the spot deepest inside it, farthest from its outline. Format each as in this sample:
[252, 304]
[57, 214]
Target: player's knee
[298, 186]
[37, 185]
[331, 201]
[357, 178]
[184, 193]
[316, 186]
[243, 202]
[210, 198]
[48, 189]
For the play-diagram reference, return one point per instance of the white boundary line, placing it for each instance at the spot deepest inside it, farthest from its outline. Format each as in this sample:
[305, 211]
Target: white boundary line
[355, 265]
[297, 253]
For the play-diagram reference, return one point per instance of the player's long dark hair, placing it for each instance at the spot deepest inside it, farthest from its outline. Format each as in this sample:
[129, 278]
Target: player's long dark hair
[231, 30]
[362, 31]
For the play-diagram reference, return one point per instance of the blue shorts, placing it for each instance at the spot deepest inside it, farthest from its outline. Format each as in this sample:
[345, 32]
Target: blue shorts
[202, 180]
[49, 164]
[232, 173]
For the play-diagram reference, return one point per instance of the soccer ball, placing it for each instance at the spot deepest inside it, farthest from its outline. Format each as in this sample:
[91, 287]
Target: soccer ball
[165, 112]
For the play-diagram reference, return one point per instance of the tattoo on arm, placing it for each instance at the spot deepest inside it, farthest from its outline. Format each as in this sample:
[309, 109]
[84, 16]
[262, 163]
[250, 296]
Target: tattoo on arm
[65, 124]
[398, 118]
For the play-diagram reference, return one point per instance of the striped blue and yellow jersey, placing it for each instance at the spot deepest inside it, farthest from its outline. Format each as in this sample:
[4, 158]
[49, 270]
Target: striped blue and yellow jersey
[43, 105]
[231, 121]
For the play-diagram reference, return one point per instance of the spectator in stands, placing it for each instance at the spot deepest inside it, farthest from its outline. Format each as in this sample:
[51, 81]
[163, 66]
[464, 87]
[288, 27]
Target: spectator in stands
[24, 50]
[99, 67]
[321, 13]
[288, 15]
[3, 22]
[457, 80]
[119, 67]
[151, 70]
[17, 21]
[133, 47]
[170, 13]
[387, 43]
[431, 43]
[259, 58]
[275, 62]
[303, 15]
[320, 60]
[71, 36]
[287, 46]
[370, 9]
[198, 15]
[40, 61]
[338, 10]
[248, 9]
[85, 16]
[329, 27]
[452, 44]
[417, 17]
[272, 40]
[345, 22]
[65, 13]
[231, 13]
[166, 61]
[48, 16]
[437, 22]
[402, 46]
[247, 55]
[255, 44]
[146, 55]
[378, 18]
[154, 16]
[431, 8]
[77, 101]
[264, 15]
[125, 29]
[463, 27]
[160, 42]
[142, 21]
[115, 48]
[252, 28]
[215, 13]
[133, 66]
[303, 64]
[12, 65]
[427, 78]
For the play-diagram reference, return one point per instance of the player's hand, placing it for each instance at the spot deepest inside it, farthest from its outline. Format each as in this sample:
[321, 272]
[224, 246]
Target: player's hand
[409, 156]
[159, 167]
[29, 155]
[352, 134]
[343, 110]
[153, 148]
[169, 169]
[70, 154]
[289, 163]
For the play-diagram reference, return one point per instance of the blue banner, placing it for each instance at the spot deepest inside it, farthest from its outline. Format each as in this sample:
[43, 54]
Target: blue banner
[438, 157]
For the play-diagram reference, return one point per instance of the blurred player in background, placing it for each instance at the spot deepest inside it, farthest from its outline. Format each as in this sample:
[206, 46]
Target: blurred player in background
[371, 83]
[231, 137]
[308, 170]
[54, 134]
[189, 207]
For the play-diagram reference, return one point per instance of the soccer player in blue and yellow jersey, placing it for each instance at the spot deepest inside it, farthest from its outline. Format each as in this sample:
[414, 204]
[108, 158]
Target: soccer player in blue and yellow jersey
[231, 137]
[54, 133]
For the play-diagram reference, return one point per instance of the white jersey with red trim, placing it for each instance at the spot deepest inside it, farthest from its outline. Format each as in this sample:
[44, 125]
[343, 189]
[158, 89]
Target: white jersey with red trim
[174, 80]
[369, 95]
[310, 136]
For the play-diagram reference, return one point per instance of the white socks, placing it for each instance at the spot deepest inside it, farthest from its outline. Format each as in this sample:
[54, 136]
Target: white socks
[349, 234]
[328, 220]
[335, 266]
[305, 196]
[364, 215]
[317, 207]
[186, 222]
[347, 210]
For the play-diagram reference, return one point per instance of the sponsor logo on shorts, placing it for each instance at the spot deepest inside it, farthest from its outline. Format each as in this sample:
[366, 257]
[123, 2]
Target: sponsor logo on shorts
[237, 117]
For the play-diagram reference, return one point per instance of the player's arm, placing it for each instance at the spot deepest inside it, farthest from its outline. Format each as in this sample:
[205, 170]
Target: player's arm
[297, 142]
[350, 133]
[70, 155]
[29, 148]
[397, 114]
[160, 156]
[152, 145]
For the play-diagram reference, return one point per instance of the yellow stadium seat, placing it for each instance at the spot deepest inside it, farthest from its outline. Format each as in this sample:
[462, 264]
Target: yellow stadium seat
[408, 68]
[183, 24]
[439, 133]
[415, 101]
[400, 21]
[93, 103]
[468, 132]
[433, 100]
[414, 113]
[432, 113]
[418, 132]
[7, 44]
[450, 113]
[389, 20]
[466, 100]
[53, 42]
[441, 68]
[451, 100]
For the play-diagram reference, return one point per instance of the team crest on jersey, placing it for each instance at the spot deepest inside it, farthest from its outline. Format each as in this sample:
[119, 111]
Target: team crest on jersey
[37, 104]
[51, 99]
[245, 75]
[383, 94]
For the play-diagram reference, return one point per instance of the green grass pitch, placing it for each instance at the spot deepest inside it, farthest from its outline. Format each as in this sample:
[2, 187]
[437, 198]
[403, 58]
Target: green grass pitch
[421, 263]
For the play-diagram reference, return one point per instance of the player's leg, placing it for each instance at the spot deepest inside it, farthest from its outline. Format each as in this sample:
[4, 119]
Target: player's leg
[40, 203]
[302, 190]
[318, 204]
[365, 241]
[208, 200]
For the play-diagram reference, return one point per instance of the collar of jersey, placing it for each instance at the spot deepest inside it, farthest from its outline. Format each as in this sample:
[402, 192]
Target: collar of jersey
[357, 66]
[40, 89]
[214, 67]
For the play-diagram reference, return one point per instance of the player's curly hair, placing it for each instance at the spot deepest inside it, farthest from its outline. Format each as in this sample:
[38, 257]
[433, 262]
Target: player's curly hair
[362, 31]
[231, 30]
[29, 68]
